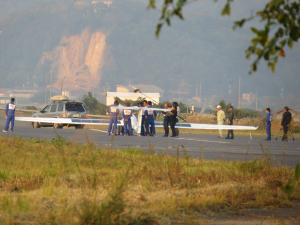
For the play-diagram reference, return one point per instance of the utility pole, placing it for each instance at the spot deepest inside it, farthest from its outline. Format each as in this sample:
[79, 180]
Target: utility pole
[239, 93]
[256, 101]
[50, 86]
[46, 90]
[205, 103]
[196, 91]
[200, 94]
[61, 86]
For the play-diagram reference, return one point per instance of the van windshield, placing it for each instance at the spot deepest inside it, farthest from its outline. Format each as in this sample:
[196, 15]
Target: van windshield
[75, 108]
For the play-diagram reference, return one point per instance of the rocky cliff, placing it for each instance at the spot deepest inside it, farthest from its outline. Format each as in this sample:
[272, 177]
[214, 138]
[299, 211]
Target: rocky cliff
[77, 60]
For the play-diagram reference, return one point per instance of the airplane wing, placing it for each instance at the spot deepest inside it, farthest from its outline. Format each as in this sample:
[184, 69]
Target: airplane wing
[198, 126]
[68, 120]
[139, 108]
[134, 122]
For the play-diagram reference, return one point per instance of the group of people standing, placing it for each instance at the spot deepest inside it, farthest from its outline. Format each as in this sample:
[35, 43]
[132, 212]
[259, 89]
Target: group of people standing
[285, 122]
[147, 119]
[170, 118]
[221, 121]
[114, 111]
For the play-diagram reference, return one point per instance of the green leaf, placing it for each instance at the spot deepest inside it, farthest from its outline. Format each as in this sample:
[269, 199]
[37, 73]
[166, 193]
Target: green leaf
[273, 67]
[180, 15]
[163, 12]
[262, 32]
[180, 3]
[158, 28]
[254, 67]
[266, 56]
[168, 21]
[254, 41]
[254, 30]
[151, 4]
[290, 43]
[280, 17]
[259, 51]
[226, 10]
[282, 43]
[248, 56]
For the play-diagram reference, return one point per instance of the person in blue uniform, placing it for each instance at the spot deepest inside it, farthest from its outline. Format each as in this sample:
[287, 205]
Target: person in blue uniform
[143, 118]
[113, 112]
[10, 115]
[268, 123]
[150, 115]
[127, 113]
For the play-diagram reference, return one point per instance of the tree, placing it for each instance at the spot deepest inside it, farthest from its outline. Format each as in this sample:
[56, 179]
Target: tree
[238, 113]
[280, 17]
[92, 105]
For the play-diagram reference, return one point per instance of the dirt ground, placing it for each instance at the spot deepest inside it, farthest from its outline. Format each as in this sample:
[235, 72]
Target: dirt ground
[280, 216]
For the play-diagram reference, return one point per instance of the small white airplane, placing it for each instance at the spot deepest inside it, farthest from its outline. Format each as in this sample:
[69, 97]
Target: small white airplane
[136, 123]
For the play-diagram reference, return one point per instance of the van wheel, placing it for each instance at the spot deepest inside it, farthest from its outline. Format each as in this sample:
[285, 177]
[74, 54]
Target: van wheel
[79, 126]
[36, 125]
[57, 126]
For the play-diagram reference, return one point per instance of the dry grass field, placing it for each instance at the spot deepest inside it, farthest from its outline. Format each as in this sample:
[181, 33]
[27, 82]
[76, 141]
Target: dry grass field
[59, 182]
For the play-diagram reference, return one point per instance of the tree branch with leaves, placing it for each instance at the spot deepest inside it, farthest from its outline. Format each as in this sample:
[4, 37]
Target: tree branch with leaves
[281, 20]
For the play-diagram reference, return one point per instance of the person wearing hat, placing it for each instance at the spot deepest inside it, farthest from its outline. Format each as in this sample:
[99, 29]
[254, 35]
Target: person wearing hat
[230, 122]
[286, 119]
[220, 119]
[268, 124]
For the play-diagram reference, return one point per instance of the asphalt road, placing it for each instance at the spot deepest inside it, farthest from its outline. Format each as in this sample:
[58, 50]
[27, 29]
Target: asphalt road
[212, 148]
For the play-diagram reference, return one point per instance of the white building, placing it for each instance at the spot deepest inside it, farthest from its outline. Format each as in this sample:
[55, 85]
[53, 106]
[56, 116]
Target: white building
[110, 96]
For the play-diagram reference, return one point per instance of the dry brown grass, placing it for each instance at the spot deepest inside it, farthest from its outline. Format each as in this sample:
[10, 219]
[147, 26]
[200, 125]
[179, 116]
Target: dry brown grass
[58, 182]
[258, 121]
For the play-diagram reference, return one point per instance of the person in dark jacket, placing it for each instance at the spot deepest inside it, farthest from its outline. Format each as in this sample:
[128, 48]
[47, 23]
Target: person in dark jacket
[10, 115]
[268, 124]
[173, 118]
[166, 120]
[230, 122]
[286, 119]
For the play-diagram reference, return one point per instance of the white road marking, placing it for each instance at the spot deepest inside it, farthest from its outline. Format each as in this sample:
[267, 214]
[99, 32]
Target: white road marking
[103, 131]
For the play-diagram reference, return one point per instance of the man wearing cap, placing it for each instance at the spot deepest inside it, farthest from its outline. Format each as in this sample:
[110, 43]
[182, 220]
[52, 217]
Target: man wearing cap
[286, 119]
[220, 119]
[230, 122]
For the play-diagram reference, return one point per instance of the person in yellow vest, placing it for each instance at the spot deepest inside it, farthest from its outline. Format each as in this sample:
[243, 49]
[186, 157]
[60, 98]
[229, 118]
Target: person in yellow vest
[220, 119]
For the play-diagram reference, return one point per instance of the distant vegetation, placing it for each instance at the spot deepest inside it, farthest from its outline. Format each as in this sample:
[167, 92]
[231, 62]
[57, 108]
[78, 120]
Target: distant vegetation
[92, 105]
[238, 113]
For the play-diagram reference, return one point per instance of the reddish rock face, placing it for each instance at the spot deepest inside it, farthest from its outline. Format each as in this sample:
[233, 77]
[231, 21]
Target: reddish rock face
[77, 61]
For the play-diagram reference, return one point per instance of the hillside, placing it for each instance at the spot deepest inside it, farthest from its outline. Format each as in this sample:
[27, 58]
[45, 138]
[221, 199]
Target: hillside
[94, 45]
